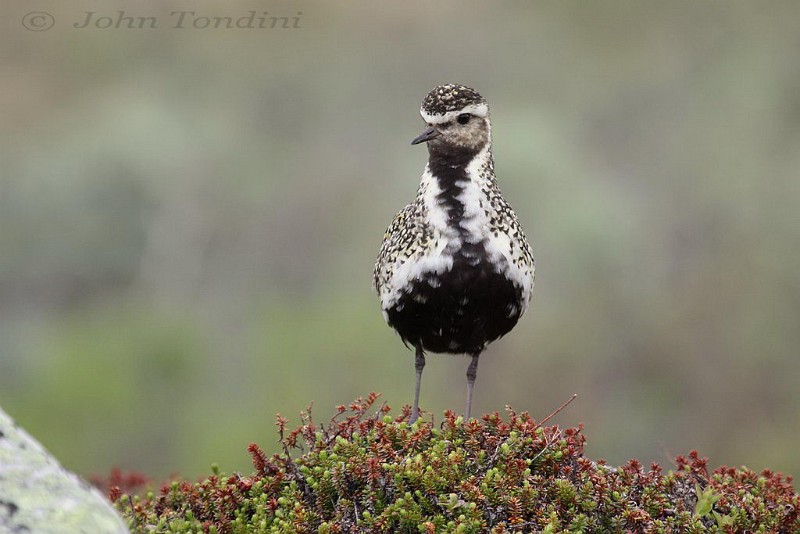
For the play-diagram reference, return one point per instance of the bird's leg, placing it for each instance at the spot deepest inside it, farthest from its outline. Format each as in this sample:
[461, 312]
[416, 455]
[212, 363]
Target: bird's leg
[419, 365]
[472, 372]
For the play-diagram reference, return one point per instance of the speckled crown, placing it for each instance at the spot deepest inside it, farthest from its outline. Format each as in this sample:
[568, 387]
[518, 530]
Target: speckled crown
[451, 97]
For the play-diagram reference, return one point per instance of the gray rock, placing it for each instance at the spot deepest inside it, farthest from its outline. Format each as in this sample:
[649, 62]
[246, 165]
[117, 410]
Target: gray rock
[37, 495]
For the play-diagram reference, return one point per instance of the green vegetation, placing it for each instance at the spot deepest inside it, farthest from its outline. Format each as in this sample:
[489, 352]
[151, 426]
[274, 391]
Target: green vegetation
[368, 471]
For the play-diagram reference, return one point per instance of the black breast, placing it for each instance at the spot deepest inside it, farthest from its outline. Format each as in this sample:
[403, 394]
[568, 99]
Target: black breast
[463, 309]
[459, 311]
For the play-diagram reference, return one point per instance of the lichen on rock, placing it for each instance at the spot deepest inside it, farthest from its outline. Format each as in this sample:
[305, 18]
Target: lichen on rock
[38, 495]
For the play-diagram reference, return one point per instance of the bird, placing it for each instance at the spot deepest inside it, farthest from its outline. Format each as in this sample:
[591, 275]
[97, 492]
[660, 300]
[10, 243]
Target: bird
[454, 271]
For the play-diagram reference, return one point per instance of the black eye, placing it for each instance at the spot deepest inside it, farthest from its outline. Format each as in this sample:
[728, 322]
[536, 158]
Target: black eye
[463, 118]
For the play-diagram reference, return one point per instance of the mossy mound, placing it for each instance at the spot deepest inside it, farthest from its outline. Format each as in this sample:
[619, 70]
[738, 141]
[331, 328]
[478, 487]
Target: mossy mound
[366, 471]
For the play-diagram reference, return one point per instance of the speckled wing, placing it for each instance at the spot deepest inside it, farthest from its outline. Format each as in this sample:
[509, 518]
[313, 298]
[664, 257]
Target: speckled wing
[508, 234]
[517, 235]
[399, 237]
[407, 238]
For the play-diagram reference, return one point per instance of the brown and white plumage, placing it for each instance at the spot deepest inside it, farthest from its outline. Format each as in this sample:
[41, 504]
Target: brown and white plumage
[455, 271]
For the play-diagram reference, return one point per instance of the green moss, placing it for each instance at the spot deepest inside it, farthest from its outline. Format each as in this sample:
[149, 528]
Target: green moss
[366, 471]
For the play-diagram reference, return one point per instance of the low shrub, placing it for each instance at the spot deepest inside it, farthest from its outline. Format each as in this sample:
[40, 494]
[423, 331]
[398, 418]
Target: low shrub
[367, 471]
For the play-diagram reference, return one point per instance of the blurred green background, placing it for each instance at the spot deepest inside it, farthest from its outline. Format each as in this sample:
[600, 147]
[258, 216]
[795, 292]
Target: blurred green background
[189, 219]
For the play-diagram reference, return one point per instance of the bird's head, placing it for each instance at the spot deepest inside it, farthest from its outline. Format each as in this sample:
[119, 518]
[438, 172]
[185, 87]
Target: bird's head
[456, 119]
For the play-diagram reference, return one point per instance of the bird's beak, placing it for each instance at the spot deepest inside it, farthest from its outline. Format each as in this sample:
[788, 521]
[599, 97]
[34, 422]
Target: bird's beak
[427, 135]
